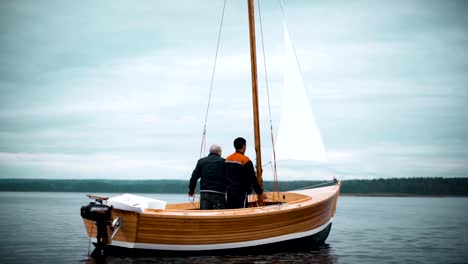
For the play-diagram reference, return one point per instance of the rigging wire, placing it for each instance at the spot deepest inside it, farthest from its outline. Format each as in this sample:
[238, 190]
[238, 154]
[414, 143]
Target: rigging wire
[203, 143]
[292, 44]
[334, 181]
[192, 201]
[275, 172]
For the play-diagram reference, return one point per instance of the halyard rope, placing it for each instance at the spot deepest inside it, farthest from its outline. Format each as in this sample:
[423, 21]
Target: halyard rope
[275, 173]
[203, 143]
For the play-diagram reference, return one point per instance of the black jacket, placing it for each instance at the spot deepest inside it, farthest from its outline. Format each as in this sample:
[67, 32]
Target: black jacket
[211, 170]
[240, 174]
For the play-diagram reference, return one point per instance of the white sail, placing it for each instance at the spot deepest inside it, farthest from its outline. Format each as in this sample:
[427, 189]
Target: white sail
[298, 135]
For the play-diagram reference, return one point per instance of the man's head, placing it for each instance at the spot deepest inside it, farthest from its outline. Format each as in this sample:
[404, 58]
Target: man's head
[240, 144]
[215, 149]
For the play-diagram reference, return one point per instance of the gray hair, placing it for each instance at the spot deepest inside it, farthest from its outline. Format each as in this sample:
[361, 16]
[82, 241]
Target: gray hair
[216, 149]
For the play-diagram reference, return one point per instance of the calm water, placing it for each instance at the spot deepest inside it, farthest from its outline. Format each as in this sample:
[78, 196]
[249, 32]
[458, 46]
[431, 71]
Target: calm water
[47, 228]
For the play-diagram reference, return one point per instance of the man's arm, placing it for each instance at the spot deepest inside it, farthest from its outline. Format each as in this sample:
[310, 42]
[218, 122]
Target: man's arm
[196, 174]
[252, 177]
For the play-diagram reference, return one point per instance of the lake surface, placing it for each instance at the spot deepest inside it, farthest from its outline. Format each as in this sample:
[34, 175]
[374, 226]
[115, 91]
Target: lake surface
[47, 228]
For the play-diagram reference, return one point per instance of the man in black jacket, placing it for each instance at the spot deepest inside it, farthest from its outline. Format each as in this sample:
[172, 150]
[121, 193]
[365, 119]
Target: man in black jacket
[211, 170]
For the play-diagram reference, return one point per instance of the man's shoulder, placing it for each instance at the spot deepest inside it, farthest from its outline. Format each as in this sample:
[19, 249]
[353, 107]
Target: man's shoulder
[220, 159]
[230, 157]
[211, 158]
[238, 157]
[202, 160]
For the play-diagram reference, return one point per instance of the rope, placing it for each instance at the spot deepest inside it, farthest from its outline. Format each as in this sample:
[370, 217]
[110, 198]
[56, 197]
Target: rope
[192, 201]
[203, 143]
[313, 186]
[275, 172]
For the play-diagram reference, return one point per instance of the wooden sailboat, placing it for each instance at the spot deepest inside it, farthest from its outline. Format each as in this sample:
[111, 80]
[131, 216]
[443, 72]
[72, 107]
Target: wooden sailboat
[132, 222]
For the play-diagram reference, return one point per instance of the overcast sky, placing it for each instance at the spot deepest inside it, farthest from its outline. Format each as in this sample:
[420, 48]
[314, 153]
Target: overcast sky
[119, 89]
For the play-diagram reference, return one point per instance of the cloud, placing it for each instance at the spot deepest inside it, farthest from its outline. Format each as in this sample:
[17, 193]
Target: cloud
[127, 86]
[373, 162]
[102, 165]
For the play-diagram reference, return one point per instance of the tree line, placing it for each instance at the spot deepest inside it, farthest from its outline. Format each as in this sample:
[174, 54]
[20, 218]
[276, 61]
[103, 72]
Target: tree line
[393, 186]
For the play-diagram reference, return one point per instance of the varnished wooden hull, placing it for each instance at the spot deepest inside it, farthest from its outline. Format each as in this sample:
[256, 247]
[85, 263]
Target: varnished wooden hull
[306, 214]
[293, 245]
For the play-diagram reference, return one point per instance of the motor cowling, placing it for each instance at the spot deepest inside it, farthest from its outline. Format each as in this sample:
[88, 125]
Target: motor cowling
[96, 212]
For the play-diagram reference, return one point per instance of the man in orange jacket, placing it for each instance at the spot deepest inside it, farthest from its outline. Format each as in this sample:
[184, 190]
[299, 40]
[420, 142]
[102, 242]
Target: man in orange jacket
[240, 175]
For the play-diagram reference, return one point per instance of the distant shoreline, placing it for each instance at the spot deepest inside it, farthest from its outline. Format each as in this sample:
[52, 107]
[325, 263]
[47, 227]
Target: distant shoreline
[377, 195]
[395, 187]
[398, 195]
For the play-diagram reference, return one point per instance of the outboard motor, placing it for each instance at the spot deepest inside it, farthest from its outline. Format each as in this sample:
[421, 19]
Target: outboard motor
[96, 212]
[101, 215]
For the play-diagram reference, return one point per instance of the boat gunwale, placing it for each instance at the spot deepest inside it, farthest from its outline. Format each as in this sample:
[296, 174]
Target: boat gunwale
[250, 212]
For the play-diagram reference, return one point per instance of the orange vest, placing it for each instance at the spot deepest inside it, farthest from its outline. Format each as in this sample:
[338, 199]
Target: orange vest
[237, 157]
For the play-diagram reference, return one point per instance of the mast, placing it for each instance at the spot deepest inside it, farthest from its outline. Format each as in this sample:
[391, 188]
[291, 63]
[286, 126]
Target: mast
[253, 63]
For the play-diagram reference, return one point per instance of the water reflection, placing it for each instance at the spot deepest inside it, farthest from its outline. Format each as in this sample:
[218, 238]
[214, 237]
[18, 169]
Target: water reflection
[47, 228]
[320, 254]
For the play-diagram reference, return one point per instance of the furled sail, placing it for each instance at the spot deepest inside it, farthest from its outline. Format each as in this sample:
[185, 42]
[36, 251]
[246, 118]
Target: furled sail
[298, 135]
